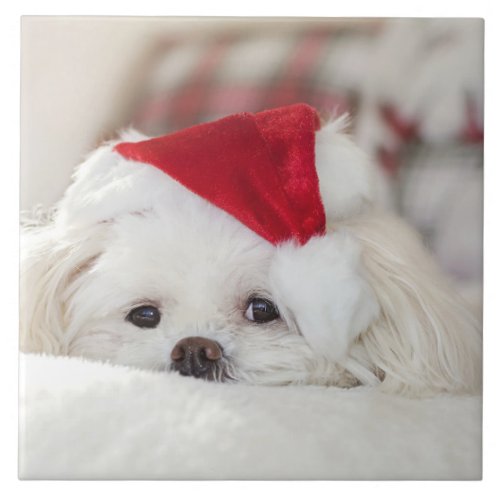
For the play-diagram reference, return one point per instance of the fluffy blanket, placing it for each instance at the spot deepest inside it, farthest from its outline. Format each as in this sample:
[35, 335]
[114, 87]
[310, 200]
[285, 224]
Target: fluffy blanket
[85, 420]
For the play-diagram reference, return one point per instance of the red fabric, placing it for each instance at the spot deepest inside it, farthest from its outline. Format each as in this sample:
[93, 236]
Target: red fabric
[257, 167]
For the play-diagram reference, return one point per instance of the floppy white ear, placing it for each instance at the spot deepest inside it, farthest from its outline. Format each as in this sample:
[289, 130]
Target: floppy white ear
[50, 260]
[425, 339]
[323, 288]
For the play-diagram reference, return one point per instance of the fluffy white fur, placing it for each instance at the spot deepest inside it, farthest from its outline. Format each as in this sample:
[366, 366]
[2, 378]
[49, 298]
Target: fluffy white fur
[363, 305]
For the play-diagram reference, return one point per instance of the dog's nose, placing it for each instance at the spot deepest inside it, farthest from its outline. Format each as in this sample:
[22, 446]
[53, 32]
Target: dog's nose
[197, 357]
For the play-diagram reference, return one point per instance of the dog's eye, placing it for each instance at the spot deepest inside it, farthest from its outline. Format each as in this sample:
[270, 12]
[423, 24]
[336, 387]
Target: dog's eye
[261, 310]
[144, 316]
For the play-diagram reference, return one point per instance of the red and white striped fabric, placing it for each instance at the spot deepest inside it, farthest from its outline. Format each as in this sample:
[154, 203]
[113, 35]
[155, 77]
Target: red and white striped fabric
[200, 81]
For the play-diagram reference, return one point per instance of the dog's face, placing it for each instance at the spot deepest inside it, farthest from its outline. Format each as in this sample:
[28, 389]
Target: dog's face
[187, 288]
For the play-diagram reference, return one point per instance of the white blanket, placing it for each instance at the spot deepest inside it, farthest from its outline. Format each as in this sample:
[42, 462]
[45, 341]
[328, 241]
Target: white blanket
[85, 420]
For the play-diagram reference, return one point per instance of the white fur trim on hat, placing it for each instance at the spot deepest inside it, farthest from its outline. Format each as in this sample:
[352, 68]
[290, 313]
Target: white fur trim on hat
[322, 283]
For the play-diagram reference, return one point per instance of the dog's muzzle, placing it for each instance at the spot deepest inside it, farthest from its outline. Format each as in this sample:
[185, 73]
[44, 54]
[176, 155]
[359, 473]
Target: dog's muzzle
[197, 357]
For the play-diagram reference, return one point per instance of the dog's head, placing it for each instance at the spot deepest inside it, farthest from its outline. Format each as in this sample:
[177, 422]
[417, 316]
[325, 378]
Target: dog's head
[135, 269]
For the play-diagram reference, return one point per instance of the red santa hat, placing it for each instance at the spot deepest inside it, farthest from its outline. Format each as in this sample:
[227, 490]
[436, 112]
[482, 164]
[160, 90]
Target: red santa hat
[259, 168]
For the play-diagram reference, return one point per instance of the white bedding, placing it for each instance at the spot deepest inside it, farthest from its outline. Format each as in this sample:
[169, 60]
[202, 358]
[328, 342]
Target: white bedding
[85, 420]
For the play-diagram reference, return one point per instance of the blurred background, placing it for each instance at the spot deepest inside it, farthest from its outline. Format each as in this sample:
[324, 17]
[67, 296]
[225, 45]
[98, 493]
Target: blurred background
[414, 89]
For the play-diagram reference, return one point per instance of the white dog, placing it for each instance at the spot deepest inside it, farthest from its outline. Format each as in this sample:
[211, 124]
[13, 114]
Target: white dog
[135, 269]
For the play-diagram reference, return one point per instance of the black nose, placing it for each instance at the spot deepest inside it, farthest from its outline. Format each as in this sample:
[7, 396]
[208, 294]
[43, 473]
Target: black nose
[196, 357]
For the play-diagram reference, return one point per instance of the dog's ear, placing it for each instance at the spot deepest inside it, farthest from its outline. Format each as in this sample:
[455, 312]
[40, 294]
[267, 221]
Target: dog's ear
[51, 258]
[425, 339]
[322, 288]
